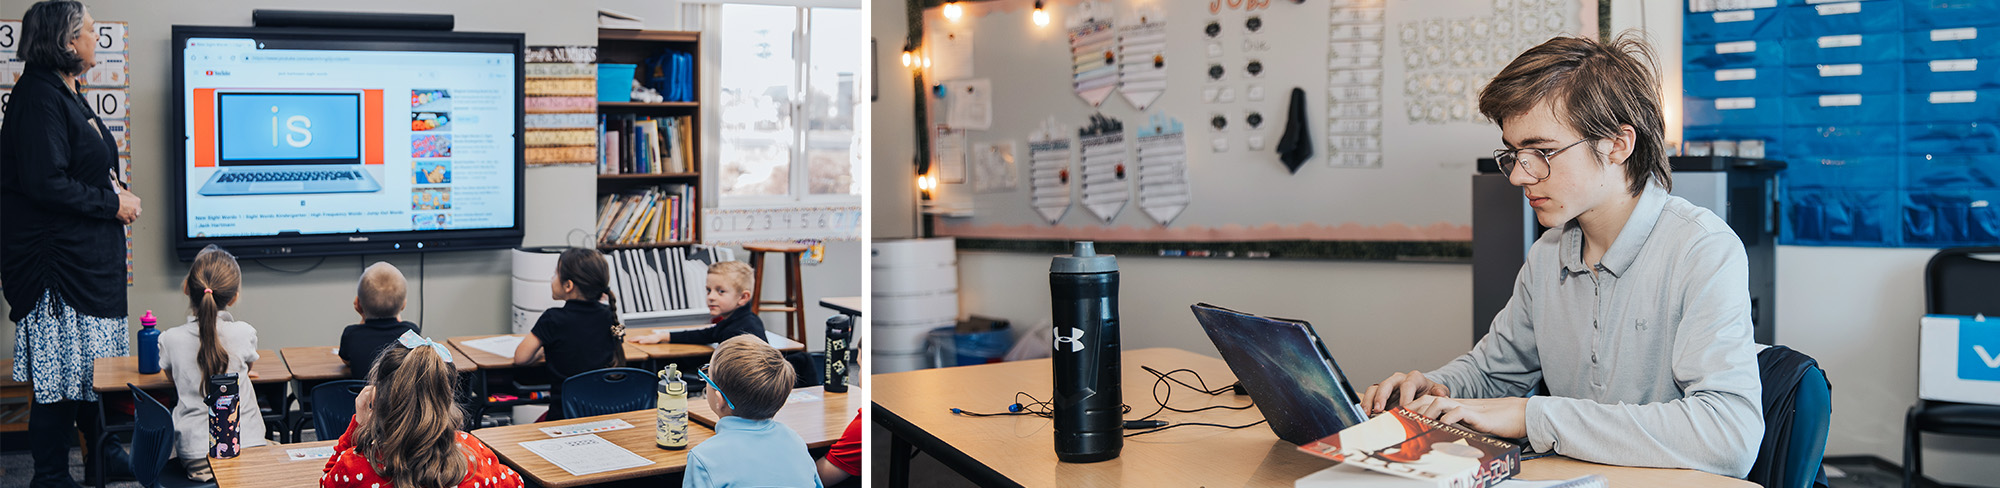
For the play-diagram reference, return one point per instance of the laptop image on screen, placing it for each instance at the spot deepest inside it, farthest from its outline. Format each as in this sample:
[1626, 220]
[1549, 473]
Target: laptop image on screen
[277, 143]
[1285, 367]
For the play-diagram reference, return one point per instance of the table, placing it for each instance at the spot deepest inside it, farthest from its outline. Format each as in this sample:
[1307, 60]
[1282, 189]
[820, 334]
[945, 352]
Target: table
[112, 374]
[506, 443]
[10, 389]
[486, 360]
[849, 306]
[1020, 450]
[820, 422]
[665, 351]
[269, 467]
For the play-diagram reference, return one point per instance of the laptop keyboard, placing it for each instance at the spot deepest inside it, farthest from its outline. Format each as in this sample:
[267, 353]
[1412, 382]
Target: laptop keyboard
[287, 176]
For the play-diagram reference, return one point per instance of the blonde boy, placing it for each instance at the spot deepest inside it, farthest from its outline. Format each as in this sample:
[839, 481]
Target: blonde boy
[748, 383]
[729, 284]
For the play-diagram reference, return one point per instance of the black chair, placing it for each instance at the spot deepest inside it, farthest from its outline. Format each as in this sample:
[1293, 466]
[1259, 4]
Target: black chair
[153, 445]
[607, 391]
[333, 406]
[1958, 281]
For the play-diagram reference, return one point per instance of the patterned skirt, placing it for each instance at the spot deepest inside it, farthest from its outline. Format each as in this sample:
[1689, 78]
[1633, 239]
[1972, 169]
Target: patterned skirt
[55, 347]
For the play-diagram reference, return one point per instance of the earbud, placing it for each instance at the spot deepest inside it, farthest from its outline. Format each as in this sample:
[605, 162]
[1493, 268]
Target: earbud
[1015, 408]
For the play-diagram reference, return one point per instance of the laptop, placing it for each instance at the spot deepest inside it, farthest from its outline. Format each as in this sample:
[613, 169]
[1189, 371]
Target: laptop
[1285, 367]
[280, 143]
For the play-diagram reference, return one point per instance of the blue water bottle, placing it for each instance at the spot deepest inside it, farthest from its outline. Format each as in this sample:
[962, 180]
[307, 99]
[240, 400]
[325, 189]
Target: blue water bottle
[149, 344]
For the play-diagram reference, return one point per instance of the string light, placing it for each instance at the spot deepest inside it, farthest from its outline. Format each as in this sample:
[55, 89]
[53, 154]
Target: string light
[952, 11]
[1041, 15]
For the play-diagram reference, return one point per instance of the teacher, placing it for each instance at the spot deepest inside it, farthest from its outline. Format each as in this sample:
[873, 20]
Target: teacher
[61, 241]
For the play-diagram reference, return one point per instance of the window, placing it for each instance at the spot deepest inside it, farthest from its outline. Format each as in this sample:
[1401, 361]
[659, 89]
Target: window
[789, 87]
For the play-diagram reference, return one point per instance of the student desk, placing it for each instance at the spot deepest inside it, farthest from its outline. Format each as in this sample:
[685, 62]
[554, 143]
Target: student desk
[665, 352]
[915, 407]
[312, 366]
[110, 375]
[487, 361]
[269, 467]
[849, 306]
[820, 422]
[506, 443]
[10, 389]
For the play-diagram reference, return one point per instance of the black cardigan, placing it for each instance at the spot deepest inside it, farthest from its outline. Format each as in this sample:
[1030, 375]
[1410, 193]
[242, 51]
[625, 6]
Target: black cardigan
[59, 228]
[739, 322]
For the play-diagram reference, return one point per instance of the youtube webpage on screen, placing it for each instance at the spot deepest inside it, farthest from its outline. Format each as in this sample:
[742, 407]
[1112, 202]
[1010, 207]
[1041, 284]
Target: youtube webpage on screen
[334, 141]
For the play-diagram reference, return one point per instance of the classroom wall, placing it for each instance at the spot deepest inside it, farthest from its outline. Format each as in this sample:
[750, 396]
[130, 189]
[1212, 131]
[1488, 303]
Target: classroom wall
[892, 188]
[470, 289]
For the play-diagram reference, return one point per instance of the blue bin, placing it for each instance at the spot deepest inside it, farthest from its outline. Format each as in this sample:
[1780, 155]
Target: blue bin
[1704, 112]
[1858, 108]
[983, 347]
[1953, 74]
[1952, 43]
[1953, 106]
[1953, 171]
[1845, 48]
[1734, 54]
[1825, 172]
[1734, 82]
[1843, 18]
[1842, 139]
[1953, 138]
[1731, 25]
[1933, 14]
[614, 82]
[1827, 79]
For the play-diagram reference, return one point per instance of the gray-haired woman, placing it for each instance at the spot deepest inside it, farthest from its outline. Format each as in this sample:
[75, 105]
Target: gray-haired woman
[61, 241]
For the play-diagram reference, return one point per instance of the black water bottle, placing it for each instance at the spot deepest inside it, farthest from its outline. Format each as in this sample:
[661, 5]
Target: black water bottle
[838, 327]
[1087, 400]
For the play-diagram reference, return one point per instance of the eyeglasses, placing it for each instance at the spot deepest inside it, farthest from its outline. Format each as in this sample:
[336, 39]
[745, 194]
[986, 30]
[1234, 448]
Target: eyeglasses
[1536, 159]
[713, 387]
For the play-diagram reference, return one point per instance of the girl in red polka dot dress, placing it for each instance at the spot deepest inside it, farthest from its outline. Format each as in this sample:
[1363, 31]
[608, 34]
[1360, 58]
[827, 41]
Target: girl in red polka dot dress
[406, 435]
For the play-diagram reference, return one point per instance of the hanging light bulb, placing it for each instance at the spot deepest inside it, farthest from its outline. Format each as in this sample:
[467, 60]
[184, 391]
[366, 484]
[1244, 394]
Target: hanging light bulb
[927, 61]
[926, 182]
[1041, 15]
[906, 59]
[952, 12]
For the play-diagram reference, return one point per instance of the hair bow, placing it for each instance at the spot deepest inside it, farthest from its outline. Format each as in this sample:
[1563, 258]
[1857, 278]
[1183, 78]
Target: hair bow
[411, 340]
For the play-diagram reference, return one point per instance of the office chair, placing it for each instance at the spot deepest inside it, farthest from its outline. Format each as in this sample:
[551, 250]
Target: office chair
[333, 407]
[1798, 408]
[1958, 281]
[607, 391]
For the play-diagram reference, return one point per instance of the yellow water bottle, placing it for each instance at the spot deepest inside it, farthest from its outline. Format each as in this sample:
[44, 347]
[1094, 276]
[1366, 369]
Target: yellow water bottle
[670, 428]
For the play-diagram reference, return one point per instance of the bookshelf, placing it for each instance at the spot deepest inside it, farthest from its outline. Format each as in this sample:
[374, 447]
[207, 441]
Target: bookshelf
[663, 166]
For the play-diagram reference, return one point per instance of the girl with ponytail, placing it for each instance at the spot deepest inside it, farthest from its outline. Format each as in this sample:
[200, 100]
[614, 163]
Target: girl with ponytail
[211, 343]
[405, 430]
[584, 334]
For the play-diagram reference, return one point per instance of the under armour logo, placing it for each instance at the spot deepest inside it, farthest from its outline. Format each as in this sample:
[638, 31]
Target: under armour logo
[1075, 341]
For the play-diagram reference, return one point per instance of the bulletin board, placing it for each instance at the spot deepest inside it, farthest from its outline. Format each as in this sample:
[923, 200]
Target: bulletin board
[107, 89]
[1388, 110]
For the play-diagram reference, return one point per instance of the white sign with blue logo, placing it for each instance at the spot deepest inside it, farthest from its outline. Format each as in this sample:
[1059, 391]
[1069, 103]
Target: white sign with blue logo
[1960, 359]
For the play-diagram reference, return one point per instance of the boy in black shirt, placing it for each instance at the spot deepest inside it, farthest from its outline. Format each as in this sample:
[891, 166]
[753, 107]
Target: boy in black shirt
[379, 299]
[729, 285]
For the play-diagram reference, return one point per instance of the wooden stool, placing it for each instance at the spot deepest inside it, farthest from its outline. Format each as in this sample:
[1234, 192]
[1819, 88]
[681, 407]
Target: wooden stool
[793, 305]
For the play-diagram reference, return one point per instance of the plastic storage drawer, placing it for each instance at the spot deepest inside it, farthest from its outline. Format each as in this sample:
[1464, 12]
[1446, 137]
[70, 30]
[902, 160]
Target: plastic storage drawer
[1734, 82]
[1952, 138]
[1732, 25]
[1703, 112]
[1734, 54]
[1845, 48]
[1856, 108]
[1953, 106]
[1843, 18]
[1825, 79]
[1843, 139]
[1933, 14]
[1952, 43]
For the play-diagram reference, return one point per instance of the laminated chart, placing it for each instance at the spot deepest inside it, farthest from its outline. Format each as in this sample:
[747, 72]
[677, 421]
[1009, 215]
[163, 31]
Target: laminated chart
[1164, 189]
[1048, 171]
[1142, 60]
[1092, 59]
[1354, 85]
[1105, 189]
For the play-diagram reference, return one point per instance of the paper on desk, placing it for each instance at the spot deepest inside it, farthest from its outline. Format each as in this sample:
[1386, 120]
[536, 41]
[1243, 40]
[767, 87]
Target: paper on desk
[321, 452]
[585, 454]
[1350, 476]
[502, 346]
[801, 396]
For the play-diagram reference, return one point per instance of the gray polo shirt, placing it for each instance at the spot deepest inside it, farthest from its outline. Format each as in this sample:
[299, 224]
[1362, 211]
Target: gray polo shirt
[1649, 361]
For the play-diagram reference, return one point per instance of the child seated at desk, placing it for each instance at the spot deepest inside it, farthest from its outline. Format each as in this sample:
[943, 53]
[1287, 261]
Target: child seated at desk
[379, 299]
[729, 284]
[211, 343]
[582, 335]
[405, 429]
[748, 382]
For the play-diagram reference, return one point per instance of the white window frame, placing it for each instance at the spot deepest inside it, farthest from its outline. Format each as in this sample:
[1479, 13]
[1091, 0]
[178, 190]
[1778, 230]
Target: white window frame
[800, 193]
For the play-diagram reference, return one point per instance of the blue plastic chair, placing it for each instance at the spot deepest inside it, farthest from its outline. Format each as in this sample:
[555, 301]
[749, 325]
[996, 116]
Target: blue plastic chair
[153, 444]
[333, 406]
[1792, 452]
[607, 391]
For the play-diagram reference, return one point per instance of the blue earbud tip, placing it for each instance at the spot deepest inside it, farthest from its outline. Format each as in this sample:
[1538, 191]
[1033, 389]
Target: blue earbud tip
[957, 411]
[1014, 408]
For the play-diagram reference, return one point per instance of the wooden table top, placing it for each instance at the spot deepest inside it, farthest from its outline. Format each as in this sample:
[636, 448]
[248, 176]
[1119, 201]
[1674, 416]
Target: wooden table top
[269, 466]
[319, 363]
[680, 351]
[820, 422]
[506, 442]
[846, 305]
[487, 360]
[1021, 448]
[111, 374]
[7, 375]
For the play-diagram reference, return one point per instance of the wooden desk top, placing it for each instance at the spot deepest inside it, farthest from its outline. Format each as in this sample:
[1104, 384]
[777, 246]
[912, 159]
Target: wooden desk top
[679, 351]
[111, 374]
[7, 375]
[1022, 448]
[819, 422]
[487, 360]
[268, 466]
[319, 363]
[506, 442]
[846, 305]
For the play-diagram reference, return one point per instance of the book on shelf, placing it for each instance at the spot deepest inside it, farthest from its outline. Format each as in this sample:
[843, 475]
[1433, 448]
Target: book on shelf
[635, 144]
[651, 215]
[1409, 445]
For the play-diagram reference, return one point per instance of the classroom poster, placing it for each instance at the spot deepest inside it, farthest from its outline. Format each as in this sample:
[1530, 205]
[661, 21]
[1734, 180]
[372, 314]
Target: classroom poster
[1164, 185]
[1142, 60]
[1093, 59]
[1354, 88]
[1105, 187]
[1048, 171]
[561, 84]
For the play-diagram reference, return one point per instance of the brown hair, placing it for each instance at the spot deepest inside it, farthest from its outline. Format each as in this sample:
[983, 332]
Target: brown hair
[211, 285]
[755, 377]
[586, 269]
[1594, 88]
[381, 291]
[412, 441]
[735, 274]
